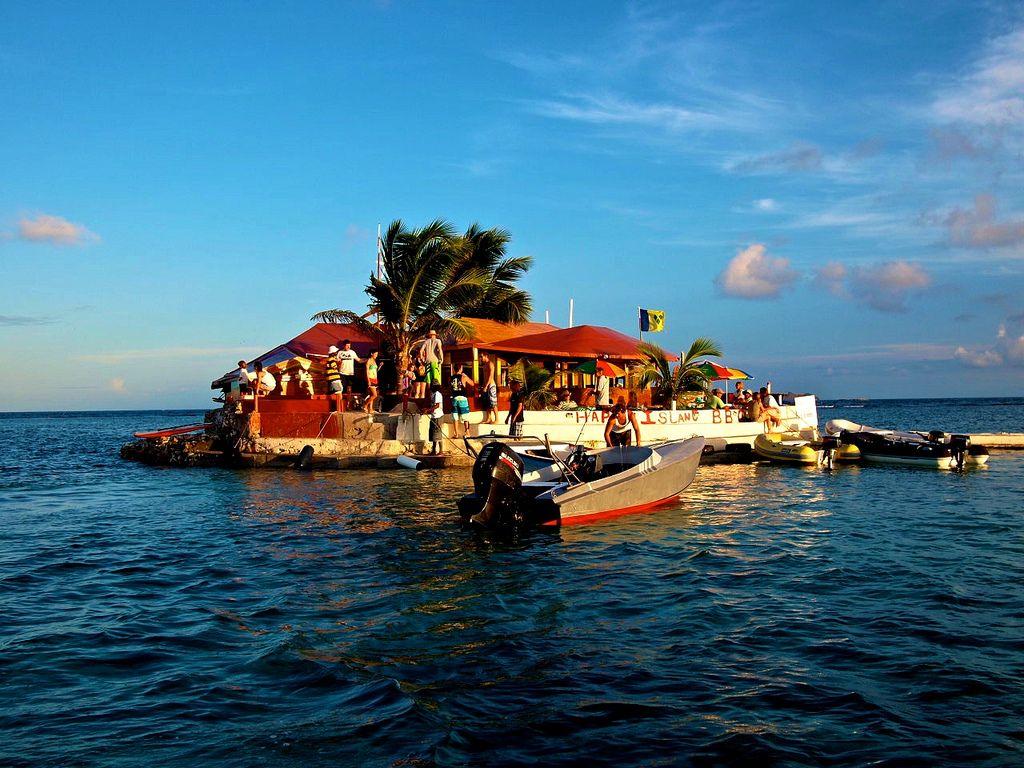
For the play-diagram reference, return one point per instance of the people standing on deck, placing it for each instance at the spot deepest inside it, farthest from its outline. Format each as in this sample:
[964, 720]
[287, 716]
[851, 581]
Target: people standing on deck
[347, 359]
[333, 372]
[407, 385]
[419, 380]
[432, 353]
[490, 394]
[516, 408]
[264, 380]
[602, 392]
[622, 426]
[736, 398]
[371, 381]
[436, 415]
[244, 377]
[460, 402]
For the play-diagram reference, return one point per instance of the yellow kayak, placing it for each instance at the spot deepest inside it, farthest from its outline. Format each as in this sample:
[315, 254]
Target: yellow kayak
[793, 449]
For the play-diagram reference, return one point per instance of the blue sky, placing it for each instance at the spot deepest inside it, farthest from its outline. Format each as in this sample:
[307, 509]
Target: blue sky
[833, 193]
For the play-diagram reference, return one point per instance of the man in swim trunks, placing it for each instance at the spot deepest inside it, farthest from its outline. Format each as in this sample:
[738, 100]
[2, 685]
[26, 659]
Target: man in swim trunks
[432, 354]
[490, 394]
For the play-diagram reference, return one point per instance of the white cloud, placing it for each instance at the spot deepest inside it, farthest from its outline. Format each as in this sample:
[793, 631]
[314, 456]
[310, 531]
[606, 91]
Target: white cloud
[992, 91]
[611, 110]
[800, 157]
[128, 355]
[54, 229]
[1007, 350]
[753, 274]
[25, 320]
[766, 205]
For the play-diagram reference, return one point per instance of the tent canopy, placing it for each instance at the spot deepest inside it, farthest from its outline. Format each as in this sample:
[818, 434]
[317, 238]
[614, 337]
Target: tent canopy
[578, 343]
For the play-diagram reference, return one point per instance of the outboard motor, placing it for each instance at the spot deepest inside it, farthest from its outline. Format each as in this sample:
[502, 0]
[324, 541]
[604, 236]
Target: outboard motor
[582, 464]
[936, 435]
[960, 446]
[829, 446]
[497, 478]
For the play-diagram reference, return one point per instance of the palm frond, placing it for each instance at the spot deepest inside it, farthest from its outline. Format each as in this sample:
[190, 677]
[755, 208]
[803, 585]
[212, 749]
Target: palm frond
[702, 346]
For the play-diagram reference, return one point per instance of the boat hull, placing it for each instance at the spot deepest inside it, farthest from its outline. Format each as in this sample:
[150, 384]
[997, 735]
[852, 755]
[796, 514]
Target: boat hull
[637, 490]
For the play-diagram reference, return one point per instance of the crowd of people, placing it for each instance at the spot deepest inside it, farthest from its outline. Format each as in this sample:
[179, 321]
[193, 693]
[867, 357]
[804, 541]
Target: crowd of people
[420, 381]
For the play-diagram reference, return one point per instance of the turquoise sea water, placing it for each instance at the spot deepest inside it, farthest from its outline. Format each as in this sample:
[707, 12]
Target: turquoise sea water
[776, 615]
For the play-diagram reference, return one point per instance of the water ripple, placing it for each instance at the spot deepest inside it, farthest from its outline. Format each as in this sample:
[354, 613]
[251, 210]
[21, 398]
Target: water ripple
[776, 616]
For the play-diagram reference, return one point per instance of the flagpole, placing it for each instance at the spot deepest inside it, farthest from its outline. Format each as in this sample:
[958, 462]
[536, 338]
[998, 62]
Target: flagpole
[640, 322]
[379, 243]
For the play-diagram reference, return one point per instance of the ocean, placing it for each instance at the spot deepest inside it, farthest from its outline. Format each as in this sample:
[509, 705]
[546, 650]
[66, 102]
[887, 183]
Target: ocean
[774, 616]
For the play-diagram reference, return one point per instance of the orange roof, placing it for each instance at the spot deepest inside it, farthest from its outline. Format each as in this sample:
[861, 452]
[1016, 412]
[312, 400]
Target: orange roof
[490, 331]
[581, 342]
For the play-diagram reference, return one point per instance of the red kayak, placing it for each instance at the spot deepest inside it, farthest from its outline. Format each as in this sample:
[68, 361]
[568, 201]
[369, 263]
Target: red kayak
[170, 431]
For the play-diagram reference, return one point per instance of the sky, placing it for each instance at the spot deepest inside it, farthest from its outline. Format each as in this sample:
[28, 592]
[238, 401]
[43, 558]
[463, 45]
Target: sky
[833, 192]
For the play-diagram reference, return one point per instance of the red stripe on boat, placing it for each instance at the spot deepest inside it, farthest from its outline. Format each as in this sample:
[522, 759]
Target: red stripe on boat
[612, 513]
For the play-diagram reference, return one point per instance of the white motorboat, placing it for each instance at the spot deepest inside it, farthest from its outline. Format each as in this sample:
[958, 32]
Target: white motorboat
[587, 486]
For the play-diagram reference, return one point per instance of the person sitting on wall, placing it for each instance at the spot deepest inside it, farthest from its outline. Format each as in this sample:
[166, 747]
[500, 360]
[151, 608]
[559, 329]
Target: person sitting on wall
[769, 411]
[621, 426]
[264, 380]
[714, 400]
[565, 401]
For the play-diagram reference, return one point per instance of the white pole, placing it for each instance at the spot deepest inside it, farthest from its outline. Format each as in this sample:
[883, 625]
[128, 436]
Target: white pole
[378, 251]
[570, 311]
[547, 317]
[639, 323]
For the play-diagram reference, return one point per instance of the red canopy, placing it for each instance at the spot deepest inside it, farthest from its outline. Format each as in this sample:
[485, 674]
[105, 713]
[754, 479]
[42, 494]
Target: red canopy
[579, 343]
[316, 340]
[312, 341]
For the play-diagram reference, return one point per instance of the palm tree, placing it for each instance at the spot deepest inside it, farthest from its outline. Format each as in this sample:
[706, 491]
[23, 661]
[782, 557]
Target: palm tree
[431, 278]
[500, 299]
[655, 370]
[536, 381]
